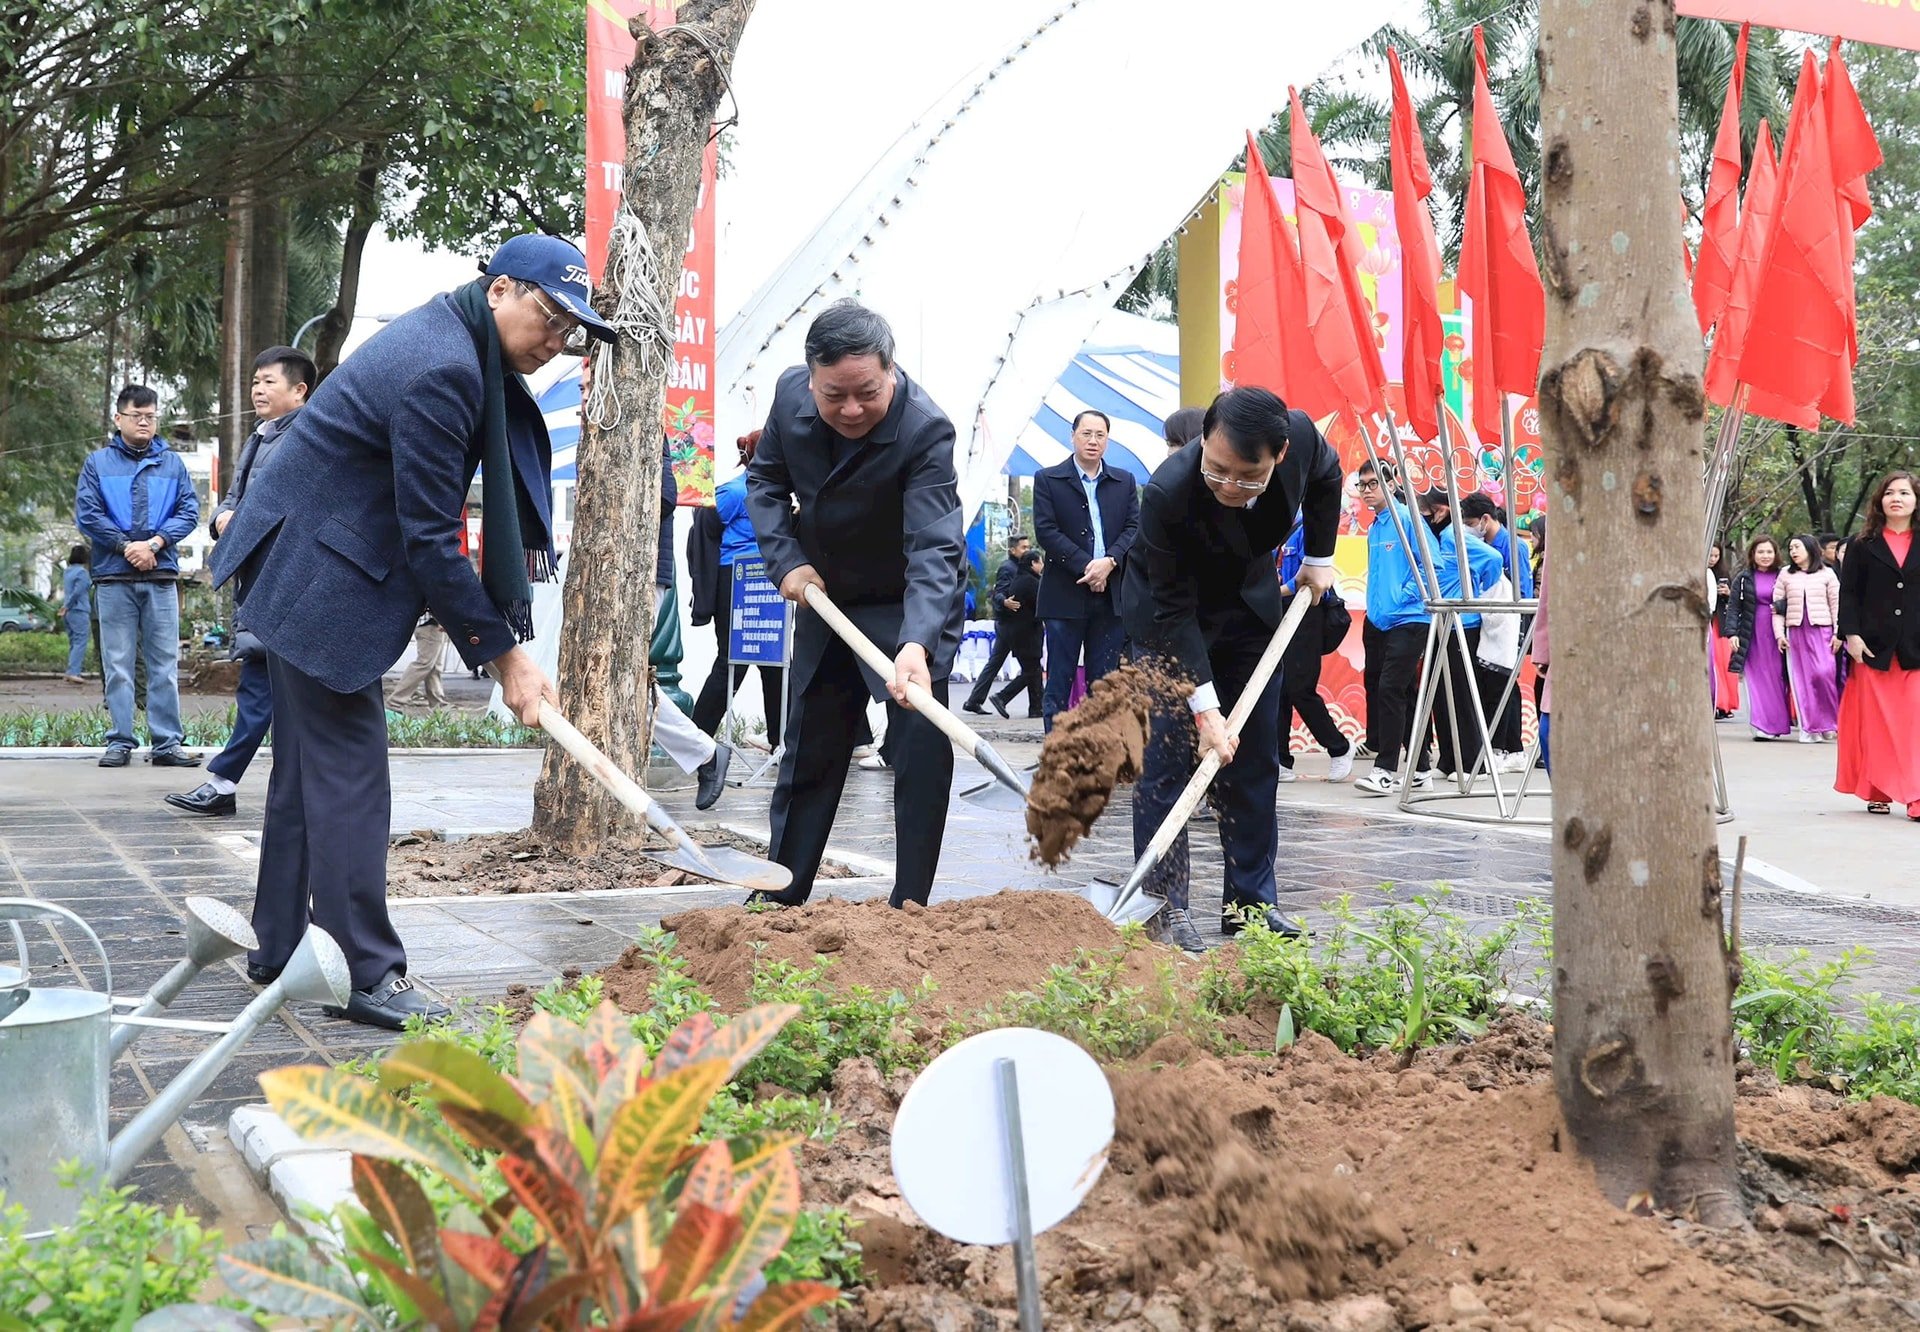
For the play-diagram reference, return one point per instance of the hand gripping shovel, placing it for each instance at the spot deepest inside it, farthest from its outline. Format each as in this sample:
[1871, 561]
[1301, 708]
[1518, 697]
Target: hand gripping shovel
[722, 864]
[923, 702]
[1129, 902]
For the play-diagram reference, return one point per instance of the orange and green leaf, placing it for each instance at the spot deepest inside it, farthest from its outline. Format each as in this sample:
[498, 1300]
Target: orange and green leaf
[453, 1076]
[399, 1206]
[338, 1108]
[646, 1135]
[700, 1238]
[783, 1306]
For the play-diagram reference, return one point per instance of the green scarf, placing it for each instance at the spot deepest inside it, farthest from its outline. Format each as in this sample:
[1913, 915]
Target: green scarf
[514, 479]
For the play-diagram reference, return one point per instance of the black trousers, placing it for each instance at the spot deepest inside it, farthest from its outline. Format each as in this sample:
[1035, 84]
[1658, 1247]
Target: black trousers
[711, 707]
[1245, 792]
[323, 855]
[1503, 721]
[1021, 641]
[1391, 676]
[1300, 669]
[253, 717]
[823, 723]
[1453, 706]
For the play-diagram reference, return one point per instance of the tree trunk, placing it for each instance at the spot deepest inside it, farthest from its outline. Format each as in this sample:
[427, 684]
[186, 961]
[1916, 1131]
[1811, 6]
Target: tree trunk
[236, 358]
[1643, 976]
[674, 86]
[332, 336]
[267, 316]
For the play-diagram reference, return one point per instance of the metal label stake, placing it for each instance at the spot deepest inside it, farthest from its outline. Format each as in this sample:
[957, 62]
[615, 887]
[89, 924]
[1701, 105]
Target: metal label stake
[1026, 1268]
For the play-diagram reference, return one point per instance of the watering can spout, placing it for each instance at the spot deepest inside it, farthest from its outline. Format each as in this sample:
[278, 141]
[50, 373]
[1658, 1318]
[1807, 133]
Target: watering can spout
[316, 973]
[215, 932]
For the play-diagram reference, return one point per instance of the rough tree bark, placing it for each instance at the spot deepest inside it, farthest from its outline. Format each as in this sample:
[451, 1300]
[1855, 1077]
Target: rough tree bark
[674, 86]
[332, 334]
[1643, 977]
[236, 358]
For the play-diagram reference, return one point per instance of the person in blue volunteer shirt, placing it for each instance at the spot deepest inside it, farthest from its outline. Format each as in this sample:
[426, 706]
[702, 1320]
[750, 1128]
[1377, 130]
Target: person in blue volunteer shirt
[1395, 632]
[1488, 521]
[1454, 709]
[135, 503]
[729, 536]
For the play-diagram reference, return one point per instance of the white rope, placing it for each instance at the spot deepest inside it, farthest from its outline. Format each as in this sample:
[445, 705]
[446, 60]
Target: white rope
[640, 319]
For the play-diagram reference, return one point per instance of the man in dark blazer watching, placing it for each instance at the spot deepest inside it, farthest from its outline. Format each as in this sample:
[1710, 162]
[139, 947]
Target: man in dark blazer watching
[282, 379]
[853, 490]
[340, 546]
[1084, 516]
[1202, 601]
[1003, 643]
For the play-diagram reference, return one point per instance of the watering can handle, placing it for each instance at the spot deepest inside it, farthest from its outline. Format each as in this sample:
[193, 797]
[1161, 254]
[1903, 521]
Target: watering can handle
[14, 909]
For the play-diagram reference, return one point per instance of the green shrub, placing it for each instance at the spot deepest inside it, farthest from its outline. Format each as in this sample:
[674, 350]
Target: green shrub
[37, 653]
[1090, 1003]
[88, 726]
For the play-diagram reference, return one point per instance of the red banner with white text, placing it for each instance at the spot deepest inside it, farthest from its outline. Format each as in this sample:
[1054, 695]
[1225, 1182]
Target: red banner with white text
[689, 423]
[1879, 22]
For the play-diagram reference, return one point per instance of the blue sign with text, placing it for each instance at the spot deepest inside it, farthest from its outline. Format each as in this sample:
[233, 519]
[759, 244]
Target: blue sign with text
[760, 620]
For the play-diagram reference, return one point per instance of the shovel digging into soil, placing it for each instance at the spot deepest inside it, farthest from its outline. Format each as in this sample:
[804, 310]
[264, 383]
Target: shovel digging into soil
[1110, 743]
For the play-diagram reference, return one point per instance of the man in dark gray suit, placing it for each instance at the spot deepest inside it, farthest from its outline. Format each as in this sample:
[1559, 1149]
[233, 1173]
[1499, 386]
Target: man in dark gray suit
[341, 545]
[1084, 516]
[866, 458]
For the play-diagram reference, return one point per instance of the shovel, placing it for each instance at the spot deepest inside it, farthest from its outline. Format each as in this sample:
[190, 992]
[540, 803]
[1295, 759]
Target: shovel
[722, 864]
[923, 702]
[1128, 902]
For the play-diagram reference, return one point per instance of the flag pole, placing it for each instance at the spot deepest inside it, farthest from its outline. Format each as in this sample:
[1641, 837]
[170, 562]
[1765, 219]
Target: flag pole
[1511, 485]
[1720, 467]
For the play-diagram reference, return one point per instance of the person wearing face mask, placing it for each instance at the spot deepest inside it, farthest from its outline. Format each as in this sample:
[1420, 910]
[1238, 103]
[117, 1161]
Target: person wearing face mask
[867, 458]
[1879, 758]
[1201, 602]
[338, 551]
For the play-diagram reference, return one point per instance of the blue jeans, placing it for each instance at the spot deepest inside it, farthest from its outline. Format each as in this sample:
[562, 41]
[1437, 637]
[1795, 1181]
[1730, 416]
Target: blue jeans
[142, 617]
[253, 715]
[1103, 637]
[79, 635]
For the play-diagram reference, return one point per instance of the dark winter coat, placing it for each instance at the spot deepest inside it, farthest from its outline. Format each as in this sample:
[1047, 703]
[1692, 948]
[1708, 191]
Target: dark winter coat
[1880, 601]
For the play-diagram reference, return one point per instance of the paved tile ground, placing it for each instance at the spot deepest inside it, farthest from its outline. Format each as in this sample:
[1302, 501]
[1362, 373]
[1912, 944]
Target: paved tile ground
[103, 845]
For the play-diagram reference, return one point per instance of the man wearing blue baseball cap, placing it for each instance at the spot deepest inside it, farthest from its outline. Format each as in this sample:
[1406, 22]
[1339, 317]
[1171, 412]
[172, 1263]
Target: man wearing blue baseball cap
[339, 550]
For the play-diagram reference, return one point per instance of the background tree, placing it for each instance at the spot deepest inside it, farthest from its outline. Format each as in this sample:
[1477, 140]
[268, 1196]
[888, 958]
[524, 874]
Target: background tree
[673, 87]
[1643, 979]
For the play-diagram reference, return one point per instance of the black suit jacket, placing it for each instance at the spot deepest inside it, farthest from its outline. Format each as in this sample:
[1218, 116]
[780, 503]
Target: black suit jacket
[882, 525]
[1880, 601]
[1002, 581]
[710, 594]
[1064, 528]
[1202, 572]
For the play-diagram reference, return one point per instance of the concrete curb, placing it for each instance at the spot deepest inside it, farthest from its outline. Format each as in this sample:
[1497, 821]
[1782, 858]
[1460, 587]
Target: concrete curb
[302, 1178]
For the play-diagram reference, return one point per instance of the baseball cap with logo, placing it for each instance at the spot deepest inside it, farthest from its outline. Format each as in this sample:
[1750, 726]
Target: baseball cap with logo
[558, 269]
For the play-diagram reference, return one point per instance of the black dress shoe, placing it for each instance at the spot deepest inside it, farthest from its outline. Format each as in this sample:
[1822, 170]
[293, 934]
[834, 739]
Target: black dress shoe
[203, 799]
[1232, 921]
[1000, 708]
[712, 777]
[1175, 928]
[971, 706]
[117, 756]
[173, 758]
[389, 1004]
[757, 898]
[260, 975]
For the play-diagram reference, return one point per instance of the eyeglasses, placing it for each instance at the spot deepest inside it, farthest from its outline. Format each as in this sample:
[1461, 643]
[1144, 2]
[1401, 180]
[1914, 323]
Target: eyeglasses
[1228, 483]
[141, 418]
[1371, 483]
[573, 334]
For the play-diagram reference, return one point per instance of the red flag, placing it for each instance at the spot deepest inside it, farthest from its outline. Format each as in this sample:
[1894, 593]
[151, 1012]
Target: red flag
[1497, 268]
[1271, 347]
[1756, 222]
[1797, 343]
[1856, 152]
[1419, 262]
[1338, 316]
[1720, 217]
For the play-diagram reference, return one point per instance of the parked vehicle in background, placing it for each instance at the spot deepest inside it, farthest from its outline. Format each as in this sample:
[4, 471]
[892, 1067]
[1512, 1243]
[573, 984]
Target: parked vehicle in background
[19, 614]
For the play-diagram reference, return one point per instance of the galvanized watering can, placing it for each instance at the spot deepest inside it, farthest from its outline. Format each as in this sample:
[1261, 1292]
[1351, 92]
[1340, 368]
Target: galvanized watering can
[57, 1045]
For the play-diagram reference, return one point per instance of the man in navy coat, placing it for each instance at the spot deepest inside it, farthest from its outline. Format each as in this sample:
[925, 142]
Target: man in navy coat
[853, 489]
[1084, 516]
[348, 536]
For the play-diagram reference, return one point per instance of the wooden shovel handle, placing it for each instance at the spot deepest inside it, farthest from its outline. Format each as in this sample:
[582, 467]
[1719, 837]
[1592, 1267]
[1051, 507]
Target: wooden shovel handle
[882, 665]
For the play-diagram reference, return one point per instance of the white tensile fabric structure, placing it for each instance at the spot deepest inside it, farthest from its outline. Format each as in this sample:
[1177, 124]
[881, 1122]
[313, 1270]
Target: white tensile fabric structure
[989, 177]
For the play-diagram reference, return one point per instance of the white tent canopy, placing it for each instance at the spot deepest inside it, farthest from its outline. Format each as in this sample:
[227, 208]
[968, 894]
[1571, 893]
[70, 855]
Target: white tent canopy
[995, 222]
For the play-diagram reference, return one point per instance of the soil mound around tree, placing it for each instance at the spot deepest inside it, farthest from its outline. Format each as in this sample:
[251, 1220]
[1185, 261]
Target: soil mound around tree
[977, 950]
[1091, 749]
[423, 864]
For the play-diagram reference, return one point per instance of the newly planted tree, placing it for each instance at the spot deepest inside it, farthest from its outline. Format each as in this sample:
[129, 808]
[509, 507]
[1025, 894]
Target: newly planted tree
[1643, 978]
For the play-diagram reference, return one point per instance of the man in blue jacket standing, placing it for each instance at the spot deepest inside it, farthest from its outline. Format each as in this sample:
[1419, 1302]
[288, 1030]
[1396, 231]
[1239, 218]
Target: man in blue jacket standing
[1395, 633]
[135, 503]
[343, 542]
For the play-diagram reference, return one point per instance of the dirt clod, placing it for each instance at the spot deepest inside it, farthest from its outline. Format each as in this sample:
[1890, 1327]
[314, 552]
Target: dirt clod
[1092, 749]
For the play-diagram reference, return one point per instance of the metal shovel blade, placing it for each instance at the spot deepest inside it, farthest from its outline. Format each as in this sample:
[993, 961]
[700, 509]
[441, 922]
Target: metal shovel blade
[1144, 906]
[726, 864]
[996, 795]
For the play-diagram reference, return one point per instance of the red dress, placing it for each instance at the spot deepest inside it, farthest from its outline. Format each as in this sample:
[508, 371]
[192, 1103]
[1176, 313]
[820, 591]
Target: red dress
[1879, 745]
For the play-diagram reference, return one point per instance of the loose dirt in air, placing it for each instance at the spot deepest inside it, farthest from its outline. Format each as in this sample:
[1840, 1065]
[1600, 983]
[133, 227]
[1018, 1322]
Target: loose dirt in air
[1091, 749]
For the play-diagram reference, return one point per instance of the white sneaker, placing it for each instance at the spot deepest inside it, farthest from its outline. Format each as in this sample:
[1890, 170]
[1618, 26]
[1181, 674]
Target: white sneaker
[1341, 768]
[1806, 737]
[1286, 775]
[873, 763]
[1423, 780]
[1378, 783]
[1510, 762]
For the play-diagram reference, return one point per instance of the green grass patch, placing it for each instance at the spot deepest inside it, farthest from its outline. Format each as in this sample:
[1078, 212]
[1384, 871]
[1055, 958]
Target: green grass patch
[89, 726]
[23, 653]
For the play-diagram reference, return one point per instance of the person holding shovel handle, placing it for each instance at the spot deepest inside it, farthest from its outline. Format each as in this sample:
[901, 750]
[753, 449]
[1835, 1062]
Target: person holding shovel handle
[1200, 602]
[853, 490]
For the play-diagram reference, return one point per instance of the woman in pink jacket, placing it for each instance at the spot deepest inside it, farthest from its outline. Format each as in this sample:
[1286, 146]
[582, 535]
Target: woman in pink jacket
[1806, 604]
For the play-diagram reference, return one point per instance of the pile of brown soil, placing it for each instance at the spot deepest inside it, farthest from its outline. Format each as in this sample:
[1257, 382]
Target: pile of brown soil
[1090, 750]
[422, 864]
[1321, 1192]
[978, 950]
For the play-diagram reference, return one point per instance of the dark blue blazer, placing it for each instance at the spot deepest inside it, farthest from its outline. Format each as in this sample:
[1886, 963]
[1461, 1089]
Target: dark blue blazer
[1063, 526]
[345, 538]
